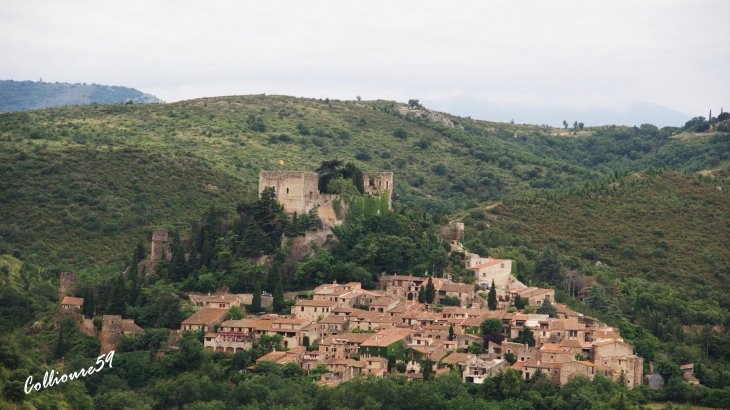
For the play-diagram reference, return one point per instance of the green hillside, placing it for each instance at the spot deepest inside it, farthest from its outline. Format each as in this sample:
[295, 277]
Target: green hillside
[31, 95]
[665, 227]
[69, 172]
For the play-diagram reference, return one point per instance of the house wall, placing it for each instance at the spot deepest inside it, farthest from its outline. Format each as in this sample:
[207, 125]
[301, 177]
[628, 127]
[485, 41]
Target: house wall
[573, 369]
[502, 276]
[311, 312]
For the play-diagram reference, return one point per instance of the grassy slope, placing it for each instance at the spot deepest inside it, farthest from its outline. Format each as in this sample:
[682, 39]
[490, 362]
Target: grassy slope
[84, 206]
[668, 227]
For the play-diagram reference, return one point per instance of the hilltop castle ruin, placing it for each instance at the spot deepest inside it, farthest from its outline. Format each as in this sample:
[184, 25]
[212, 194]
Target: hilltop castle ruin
[299, 192]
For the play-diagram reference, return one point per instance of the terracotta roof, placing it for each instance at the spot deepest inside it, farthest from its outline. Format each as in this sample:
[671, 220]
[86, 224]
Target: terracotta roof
[317, 303]
[345, 362]
[290, 320]
[130, 326]
[211, 334]
[457, 287]
[518, 365]
[205, 316]
[609, 342]
[236, 323]
[383, 302]
[344, 310]
[387, 336]
[69, 300]
[490, 263]
[334, 319]
[455, 358]
[225, 299]
[687, 366]
[271, 357]
[571, 344]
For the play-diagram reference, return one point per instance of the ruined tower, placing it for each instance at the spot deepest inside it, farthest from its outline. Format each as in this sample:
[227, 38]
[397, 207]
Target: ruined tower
[376, 183]
[68, 282]
[111, 331]
[161, 244]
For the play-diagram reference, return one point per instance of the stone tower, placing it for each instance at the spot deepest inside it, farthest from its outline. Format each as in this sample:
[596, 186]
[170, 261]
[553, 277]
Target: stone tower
[68, 284]
[111, 331]
[161, 244]
[378, 182]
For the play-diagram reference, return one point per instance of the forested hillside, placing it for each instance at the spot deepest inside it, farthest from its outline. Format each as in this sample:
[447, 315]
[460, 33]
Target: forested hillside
[31, 95]
[82, 187]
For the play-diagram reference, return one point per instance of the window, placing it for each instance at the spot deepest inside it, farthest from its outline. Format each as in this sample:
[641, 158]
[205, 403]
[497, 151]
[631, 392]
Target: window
[501, 265]
[287, 190]
[302, 308]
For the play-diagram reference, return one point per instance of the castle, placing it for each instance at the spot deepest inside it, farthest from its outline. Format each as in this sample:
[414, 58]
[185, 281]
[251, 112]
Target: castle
[299, 192]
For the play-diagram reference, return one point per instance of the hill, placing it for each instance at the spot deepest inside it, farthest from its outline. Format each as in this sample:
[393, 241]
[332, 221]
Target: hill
[665, 227]
[31, 95]
[442, 163]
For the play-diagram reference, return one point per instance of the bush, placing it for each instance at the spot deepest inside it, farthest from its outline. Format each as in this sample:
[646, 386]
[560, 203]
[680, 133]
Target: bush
[400, 133]
[363, 156]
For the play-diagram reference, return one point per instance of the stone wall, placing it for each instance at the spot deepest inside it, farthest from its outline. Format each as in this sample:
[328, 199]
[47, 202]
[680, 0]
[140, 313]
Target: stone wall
[376, 183]
[111, 331]
[161, 245]
[68, 283]
[301, 246]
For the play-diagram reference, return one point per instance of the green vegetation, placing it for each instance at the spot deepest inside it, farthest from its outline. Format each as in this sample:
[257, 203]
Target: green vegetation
[83, 187]
[30, 95]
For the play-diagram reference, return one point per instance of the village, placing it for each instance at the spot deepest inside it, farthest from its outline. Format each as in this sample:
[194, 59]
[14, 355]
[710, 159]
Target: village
[408, 325]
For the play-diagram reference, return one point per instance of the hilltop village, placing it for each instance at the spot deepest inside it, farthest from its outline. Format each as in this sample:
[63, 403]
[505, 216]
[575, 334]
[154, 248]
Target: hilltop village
[418, 326]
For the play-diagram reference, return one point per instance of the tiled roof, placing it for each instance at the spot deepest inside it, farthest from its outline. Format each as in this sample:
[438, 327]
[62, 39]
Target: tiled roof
[225, 299]
[316, 303]
[382, 302]
[205, 316]
[334, 319]
[490, 263]
[387, 336]
[130, 326]
[455, 358]
[69, 300]
[457, 287]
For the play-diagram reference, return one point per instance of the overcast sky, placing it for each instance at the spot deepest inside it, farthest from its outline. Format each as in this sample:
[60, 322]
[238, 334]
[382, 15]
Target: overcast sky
[547, 53]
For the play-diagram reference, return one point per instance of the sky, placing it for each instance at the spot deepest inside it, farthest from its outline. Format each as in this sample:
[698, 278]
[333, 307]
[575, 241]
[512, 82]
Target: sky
[521, 56]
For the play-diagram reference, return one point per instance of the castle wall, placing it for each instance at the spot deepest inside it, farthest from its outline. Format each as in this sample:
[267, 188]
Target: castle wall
[161, 244]
[68, 283]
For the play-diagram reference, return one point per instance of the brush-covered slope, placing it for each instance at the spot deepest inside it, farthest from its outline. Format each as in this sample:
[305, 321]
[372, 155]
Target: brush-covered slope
[666, 226]
[83, 206]
[31, 95]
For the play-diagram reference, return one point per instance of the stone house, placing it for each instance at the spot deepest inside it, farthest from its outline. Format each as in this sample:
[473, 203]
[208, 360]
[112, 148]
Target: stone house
[313, 309]
[288, 329]
[478, 369]
[344, 345]
[311, 332]
[551, 370]
[377, 366]
[204, 319]
[572, 369]
[464, 292]
[457, 361]
[487, 270]
[382, 305]
[534, 296]
[333, 325]
[232, 337]
[225, 301]
[69, 302]
[521, 352]
[344, 369]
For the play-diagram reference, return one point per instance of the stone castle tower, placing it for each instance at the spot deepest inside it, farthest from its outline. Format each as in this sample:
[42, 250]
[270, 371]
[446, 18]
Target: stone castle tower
[299, 191]
[68, 283]
[111, 331]
[161, 245]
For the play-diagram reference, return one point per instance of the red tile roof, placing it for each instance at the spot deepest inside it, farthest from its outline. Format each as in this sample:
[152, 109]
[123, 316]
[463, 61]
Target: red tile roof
[69, 300]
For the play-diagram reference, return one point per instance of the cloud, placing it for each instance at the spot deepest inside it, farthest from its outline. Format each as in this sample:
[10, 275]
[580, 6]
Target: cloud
[561, 53]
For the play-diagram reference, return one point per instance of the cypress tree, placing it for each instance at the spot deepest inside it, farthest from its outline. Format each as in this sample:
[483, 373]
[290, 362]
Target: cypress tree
[451, 332]
[422, 294]
[427, 370]
[492, 297]
[256, 301]
[279, 297]
[117, 296]
[430, 292]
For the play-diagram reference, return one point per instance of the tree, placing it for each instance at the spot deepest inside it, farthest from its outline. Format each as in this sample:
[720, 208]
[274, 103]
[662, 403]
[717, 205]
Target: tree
[492, 325]
[510, 358]
[256, 300]
[451, 332]
[565, 124]
[668, 370]
[547, 308]
[475, 348]
[519, 303]
[492, 297]
[526, 336]
[581, 125]
[279, 302]
[422, 294]
[400, 133]
[235, 313]
[412, 103]
[511, 382]
[548, 266]
[430, 291]
[117, 296]
[427, 370]
[359, 98]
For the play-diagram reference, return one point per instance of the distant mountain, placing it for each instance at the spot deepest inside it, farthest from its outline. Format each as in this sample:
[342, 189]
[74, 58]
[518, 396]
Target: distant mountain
[630, 114]
[30, 95]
